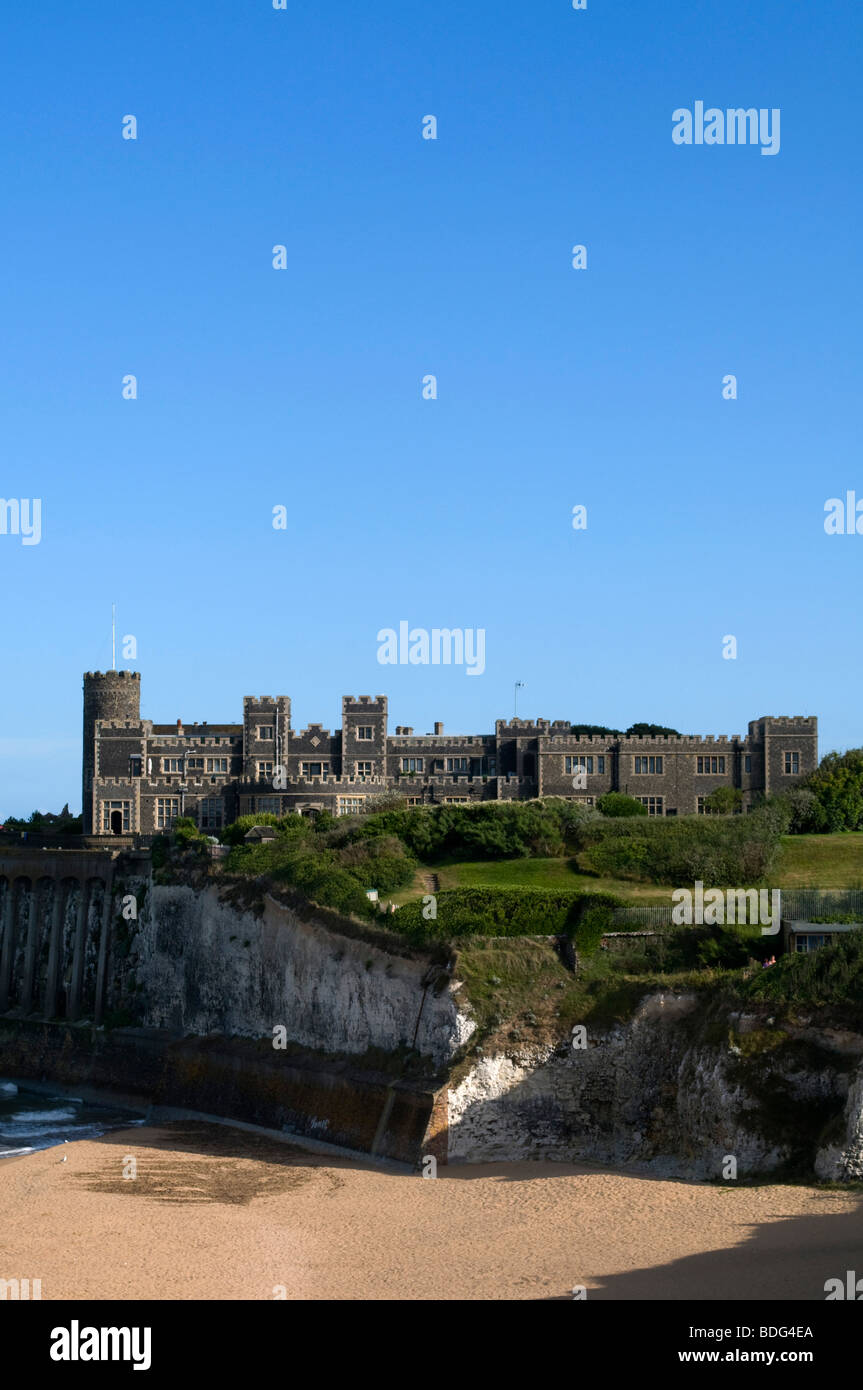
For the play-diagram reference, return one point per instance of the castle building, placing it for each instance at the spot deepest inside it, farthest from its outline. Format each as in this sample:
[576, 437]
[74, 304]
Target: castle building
[140, 777]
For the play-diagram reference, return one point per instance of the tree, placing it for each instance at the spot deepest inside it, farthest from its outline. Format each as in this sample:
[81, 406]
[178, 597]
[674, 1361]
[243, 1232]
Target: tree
[724, 801]
[649, 730]
[838, 787]
[616, 804]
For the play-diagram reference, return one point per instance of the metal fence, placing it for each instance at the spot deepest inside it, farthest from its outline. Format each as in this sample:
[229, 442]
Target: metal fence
[642, 917]
[806, 904]
[796, 905]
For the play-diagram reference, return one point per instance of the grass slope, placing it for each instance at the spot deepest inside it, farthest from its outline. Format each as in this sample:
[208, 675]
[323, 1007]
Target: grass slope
[807, 861]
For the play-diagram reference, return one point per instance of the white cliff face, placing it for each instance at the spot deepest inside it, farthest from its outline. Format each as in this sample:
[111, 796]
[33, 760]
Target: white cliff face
[659, 1092]
[843, 1160]
[650, 1094]
[207, 967]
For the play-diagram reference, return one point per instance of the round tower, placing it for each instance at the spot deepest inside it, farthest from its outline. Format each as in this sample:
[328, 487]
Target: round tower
[107, 695]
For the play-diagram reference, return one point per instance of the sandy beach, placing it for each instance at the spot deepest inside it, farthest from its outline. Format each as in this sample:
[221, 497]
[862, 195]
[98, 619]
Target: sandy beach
[218, 1213]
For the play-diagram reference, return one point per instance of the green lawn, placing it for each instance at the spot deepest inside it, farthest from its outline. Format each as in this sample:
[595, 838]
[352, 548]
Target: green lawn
[807, 861]
[821, 861]
[535, 873]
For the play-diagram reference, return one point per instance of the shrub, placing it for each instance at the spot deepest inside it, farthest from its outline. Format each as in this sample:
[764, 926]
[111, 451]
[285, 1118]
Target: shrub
[326, 861]
[802, 804]
[290, 825]
[837, 785]
[507, 912]
[724, 801]
[618, 804]
[595, 919]
[489, 830]
[723, 947]
[185, 831]
[722, 850]
[832, 975]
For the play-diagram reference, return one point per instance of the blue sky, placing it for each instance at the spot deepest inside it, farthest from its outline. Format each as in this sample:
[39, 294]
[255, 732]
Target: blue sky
[406, 256]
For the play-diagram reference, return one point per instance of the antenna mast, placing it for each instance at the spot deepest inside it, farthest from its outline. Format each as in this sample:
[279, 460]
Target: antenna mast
[113, 636]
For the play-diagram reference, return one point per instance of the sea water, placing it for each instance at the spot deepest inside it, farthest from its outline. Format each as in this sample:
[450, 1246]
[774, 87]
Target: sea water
[38, 1120]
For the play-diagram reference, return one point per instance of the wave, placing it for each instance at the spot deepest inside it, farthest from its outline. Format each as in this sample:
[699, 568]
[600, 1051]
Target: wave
[25, 1116]
[8, 1088]
[13, 1153]
[54, 1133]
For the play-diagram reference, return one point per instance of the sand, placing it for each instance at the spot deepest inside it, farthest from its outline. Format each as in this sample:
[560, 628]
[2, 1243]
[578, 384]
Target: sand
[218, 1213]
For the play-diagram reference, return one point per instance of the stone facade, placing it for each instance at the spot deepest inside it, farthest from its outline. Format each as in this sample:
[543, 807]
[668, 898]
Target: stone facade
[140, 776]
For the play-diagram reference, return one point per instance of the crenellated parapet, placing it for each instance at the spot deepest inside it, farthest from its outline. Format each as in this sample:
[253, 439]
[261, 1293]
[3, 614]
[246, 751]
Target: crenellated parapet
[209, 765]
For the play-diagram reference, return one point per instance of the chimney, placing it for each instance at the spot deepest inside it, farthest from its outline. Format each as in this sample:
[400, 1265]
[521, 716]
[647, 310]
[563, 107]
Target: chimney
[179, 726]
[438, 728]
[406, 730]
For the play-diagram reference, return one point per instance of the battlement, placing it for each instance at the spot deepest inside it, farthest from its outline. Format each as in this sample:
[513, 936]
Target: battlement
[681, 741]
[787, 721]
[439, 743]
[112, 675]
[523, 726]
[563, 735]
[114, 732]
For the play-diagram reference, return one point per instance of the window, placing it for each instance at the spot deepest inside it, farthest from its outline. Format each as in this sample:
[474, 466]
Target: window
[363, 769]
[266, 731]
[134, 766]
[648, 765]
[456, 800]
[600, 763]
[265, 770]
[217, 764]
[349, 805]
[705, 765]
[412, 764]
[211, 813]
[167, 811]
[653, 804]
[120, 809]
[365, 731]
[195, 764]
[414, 800]
[747, 763]
[438, 764]
[315, 770]
[273, 804]
[805, 942]
[172, 764]
[578, 764]
[792, 762]
[457, 764]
